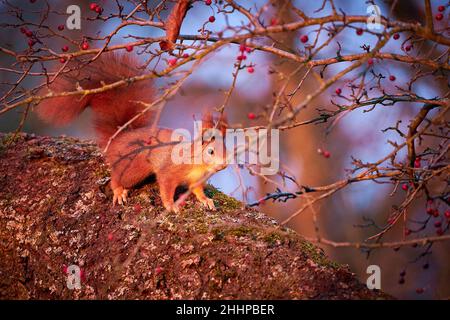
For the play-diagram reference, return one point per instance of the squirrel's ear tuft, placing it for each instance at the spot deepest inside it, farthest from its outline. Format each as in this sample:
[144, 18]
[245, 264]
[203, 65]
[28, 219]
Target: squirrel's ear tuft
[207, 120]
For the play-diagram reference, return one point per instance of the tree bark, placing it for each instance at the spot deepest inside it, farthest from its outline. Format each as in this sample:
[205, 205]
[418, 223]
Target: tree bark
[56, 211]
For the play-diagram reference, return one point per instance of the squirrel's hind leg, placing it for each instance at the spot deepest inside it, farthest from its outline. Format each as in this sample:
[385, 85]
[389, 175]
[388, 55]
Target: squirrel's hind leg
[167, 188]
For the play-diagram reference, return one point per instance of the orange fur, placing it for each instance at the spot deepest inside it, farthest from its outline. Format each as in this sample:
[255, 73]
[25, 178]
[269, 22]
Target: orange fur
[138, 151]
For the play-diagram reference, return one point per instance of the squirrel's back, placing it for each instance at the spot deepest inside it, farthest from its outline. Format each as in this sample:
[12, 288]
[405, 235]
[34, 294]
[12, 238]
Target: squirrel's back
[112, 108]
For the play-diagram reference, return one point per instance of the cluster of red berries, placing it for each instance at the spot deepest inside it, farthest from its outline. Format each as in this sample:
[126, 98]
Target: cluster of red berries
[243, 49]
[440, 16]
[208, 2]
[30, 35]
[95, 7]
[432, 211]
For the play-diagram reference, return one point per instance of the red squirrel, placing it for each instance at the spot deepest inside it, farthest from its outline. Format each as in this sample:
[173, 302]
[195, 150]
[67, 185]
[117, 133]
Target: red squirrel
[140, 150]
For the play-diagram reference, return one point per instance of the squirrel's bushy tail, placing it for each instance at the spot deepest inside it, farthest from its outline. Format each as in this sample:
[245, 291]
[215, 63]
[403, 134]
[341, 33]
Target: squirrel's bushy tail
[112, 108]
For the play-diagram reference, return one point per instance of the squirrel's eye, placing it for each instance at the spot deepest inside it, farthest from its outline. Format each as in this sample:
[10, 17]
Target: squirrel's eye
[211, 151]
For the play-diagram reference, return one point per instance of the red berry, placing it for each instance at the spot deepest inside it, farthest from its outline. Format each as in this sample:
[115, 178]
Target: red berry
[430, 202]
[62, 60]
[23, 30]
[212, 19]
[408, 47]
[172, 62]
[64, 268]
[392, 78]
[31, 42]
[441, 8]
[110, 236]
[99, 9]
[359, 31]
[129, 48]
[250, 70]
[304, 38]
[437, 224]
[251, 115]
[61, 27]
[92, 6]
[242, 47]
[401, 281]
[185, 55]
[447, 214]
[430, 211]
[208, 2]
[407, 232]
[248, 49]
[273, 22]
[65, 49]
[242, 57]
[419, 290]
[85, 46]
[338, 91]
[326, 154]
[396, 36]
[404, 186]
[439, 231]
[403, 273]
[435, 213]
[439, 16]
[417, 163]
[370, 61]
[28, 33]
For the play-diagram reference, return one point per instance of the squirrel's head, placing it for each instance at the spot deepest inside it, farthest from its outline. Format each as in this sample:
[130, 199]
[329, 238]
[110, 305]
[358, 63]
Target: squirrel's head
[213, 141]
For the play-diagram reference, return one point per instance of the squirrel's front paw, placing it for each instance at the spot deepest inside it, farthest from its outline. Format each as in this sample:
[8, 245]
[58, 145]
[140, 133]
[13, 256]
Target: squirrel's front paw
[120, 195]
[209, 203]
[173, 208]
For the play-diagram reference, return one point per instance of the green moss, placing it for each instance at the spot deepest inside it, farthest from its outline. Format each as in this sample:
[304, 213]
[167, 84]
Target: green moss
[10, 138]
[273, 238]
[241, 231]
[316, 255]
[218, 234]
[221, 200]
[7, 140]
[102, 172]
